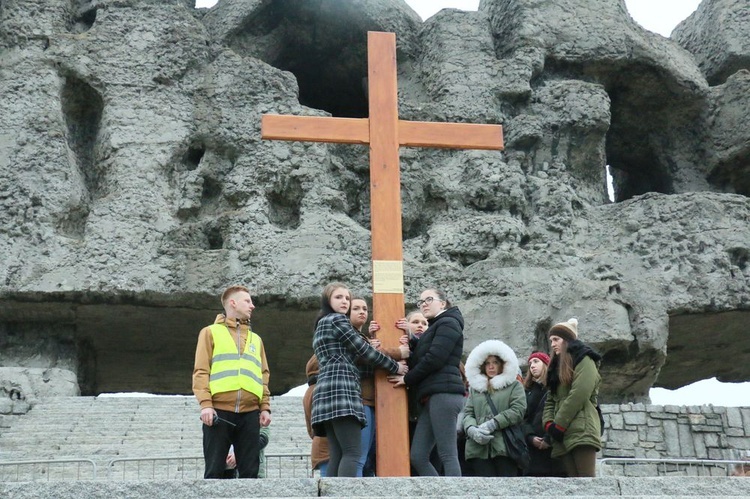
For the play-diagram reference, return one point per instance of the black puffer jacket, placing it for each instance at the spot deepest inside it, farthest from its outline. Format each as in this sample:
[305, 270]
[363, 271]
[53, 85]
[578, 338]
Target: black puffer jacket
[434, 363]
[542, 463]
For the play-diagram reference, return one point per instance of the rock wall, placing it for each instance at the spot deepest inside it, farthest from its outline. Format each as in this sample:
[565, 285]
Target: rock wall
[134, 185]
[663, 432]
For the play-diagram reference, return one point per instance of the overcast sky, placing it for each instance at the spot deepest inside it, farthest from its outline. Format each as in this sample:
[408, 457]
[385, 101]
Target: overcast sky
[659, 16]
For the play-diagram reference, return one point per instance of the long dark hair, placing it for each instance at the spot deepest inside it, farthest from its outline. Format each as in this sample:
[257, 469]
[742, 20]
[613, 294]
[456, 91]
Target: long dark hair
[325, 300]
[365, 333]
[561, 368]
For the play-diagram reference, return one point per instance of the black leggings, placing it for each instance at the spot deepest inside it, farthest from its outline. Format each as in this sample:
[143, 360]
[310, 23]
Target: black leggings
[344, 446]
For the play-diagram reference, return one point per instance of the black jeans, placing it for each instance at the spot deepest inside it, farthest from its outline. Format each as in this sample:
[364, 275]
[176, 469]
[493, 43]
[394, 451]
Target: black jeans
[245, 437]
[496, 466]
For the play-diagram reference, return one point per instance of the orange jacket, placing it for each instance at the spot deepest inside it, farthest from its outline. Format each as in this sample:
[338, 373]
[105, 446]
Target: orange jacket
[319, 451]
[235, 401]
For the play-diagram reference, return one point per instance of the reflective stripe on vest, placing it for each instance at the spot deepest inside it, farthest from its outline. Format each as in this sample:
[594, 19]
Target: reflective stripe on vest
[231, 371]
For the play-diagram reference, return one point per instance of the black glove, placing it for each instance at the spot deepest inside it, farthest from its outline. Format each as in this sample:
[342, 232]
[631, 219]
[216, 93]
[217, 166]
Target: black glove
[556, 431]
[547, 439]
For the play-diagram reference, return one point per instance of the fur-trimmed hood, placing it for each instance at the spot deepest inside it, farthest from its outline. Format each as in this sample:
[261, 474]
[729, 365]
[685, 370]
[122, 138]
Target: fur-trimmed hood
[477, 380]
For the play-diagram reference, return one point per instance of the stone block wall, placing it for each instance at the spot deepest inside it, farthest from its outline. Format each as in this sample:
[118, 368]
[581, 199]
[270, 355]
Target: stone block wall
[671, 431]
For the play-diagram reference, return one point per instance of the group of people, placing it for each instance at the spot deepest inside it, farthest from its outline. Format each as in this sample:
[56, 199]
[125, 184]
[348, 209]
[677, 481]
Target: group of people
[463, 424]
[463, 418]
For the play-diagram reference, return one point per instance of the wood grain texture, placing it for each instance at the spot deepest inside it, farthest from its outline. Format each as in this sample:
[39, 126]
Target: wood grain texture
[315, 129]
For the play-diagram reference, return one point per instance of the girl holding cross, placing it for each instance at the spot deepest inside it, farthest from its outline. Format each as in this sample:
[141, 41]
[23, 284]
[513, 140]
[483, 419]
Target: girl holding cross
[337, 411]
[436, 378]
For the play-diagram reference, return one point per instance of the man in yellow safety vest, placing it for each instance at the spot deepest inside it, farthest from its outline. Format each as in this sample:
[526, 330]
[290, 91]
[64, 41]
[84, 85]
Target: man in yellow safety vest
[230, 381]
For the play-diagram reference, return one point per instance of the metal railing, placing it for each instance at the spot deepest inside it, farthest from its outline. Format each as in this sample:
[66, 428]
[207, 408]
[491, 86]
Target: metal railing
[47, 470]
[643, 467]
[191, 467]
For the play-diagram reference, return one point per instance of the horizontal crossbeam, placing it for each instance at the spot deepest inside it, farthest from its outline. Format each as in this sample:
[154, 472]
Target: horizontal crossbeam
[357, 131]
[315, 129]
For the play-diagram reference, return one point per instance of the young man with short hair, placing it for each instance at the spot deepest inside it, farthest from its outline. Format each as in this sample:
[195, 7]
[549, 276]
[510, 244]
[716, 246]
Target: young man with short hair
[230, 381]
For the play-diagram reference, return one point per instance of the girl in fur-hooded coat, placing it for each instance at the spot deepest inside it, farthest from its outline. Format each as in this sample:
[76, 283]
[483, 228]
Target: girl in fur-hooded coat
[491, 369]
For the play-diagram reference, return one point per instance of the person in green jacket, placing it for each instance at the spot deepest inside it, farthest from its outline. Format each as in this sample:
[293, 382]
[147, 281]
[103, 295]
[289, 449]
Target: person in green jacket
[491, 371]
[570, 416]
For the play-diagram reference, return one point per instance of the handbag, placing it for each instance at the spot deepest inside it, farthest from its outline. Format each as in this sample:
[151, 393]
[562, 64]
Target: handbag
[515, 440]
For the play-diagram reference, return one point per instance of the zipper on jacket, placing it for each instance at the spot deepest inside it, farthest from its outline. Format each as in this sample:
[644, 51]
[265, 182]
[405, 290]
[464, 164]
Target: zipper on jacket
[239, 368]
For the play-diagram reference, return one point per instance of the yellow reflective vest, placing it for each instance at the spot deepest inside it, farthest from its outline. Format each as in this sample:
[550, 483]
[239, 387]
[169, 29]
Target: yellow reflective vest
[231, 371]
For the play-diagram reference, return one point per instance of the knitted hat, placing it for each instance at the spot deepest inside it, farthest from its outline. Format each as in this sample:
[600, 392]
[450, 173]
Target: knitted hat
[565, 330]
[541, 356]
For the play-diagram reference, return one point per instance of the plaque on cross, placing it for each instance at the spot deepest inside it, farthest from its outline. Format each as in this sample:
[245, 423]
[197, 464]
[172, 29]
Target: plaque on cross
[385, 133]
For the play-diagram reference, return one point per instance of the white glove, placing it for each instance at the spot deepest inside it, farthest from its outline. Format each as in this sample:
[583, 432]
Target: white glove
[489, 426]
[479, 435]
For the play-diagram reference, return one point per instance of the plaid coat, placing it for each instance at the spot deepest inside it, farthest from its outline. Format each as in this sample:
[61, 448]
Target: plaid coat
[338, 393]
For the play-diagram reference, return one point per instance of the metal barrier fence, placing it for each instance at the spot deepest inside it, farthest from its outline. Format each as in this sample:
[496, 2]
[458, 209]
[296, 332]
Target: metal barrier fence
[47, 470]
[644, 467]
[191, 467]
[298, 465]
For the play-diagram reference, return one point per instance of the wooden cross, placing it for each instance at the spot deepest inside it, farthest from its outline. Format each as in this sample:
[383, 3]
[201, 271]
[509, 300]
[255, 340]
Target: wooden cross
[385, 133]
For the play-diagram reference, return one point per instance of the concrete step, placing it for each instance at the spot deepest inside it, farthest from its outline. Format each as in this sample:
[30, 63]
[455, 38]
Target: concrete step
[363, 488]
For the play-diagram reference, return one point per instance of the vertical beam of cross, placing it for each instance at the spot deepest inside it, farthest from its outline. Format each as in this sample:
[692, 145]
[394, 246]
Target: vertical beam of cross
[391, 406]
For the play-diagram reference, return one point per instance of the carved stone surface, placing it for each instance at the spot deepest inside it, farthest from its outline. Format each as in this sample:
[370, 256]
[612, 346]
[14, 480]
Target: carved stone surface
[134, 185]
[718, 35]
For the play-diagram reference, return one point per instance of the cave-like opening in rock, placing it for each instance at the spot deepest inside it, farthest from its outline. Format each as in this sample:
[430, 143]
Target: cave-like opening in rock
[82, 109]
[706, 345]
[322, 42]
[143, 343]
[654, 138]
[636, 133]
[651, 117]
[733, 174]
[84, 18]
[193, 156]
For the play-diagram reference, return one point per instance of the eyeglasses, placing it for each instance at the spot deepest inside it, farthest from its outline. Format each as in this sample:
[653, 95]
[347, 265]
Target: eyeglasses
[426, 301]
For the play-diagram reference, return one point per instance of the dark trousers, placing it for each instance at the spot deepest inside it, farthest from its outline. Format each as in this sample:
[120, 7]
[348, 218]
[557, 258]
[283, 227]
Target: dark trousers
[436, 426]
[245, 437]
[496, 466]
[344, 446]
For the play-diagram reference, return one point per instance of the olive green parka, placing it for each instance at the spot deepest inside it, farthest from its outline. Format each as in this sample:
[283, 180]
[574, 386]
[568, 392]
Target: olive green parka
[573, 406]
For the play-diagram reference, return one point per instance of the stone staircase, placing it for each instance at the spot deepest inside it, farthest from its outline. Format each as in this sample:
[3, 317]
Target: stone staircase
[105, 428]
